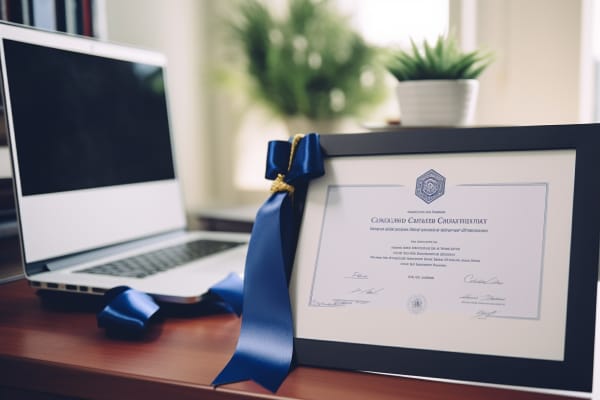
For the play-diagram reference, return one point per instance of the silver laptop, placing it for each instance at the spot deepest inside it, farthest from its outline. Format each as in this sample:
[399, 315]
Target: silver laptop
[98, 199]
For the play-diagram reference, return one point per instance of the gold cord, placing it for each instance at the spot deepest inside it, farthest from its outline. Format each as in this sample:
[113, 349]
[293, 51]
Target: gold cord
[279, 185]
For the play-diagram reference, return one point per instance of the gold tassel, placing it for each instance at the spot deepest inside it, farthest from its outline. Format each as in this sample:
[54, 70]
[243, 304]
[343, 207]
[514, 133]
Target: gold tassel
[279, 185]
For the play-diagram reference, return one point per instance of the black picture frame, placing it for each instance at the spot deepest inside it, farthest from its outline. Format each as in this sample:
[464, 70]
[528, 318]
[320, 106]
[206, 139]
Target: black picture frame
[575, 372]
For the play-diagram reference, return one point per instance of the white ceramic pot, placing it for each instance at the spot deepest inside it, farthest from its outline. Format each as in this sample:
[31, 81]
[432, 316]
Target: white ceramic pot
[437, 102]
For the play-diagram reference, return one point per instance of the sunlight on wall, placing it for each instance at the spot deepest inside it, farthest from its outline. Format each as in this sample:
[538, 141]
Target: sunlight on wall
[251, 148]
[392, 23]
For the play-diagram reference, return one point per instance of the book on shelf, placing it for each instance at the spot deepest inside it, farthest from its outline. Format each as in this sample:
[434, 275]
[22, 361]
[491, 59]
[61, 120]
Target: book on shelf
[3, 130]
[44, 14]
[5, 167]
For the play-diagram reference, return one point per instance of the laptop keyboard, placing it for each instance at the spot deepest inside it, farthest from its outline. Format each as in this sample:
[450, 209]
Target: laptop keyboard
[146, 264]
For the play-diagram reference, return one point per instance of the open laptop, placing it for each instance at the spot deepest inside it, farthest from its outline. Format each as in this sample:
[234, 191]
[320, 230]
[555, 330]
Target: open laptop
[98, 199]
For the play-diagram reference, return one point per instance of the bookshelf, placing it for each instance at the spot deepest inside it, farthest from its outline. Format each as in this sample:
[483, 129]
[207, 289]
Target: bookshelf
[74, 17]
[77, 17]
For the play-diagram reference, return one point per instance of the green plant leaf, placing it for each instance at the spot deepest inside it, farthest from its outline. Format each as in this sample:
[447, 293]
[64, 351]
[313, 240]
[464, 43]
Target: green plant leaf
[442, 60]
[295, 61]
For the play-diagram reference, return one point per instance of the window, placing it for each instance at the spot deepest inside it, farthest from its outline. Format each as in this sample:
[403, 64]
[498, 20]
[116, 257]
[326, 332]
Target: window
[392, 23]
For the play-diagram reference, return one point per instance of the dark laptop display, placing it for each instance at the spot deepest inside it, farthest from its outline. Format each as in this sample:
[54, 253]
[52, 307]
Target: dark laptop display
[98, 121]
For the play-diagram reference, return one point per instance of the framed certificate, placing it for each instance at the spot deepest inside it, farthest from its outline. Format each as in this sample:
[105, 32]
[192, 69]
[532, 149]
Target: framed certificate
[465, 254]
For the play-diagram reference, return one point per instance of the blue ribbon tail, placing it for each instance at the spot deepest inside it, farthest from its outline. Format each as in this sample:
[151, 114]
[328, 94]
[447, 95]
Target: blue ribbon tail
[265, 345]
[266, 342]
[231, 291]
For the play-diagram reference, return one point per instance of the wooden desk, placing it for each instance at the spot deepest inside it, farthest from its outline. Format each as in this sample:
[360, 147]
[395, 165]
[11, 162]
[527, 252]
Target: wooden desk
[46, 352]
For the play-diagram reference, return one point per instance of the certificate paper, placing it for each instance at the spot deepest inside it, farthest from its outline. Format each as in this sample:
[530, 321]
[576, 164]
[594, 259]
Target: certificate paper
[450, 252]
[477, 251]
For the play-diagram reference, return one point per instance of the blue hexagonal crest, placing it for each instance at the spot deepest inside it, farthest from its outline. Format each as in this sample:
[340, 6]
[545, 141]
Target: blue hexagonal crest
[430, 186]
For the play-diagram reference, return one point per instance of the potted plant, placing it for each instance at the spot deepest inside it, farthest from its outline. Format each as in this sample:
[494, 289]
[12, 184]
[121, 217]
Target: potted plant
[437, 83]
[308, 66]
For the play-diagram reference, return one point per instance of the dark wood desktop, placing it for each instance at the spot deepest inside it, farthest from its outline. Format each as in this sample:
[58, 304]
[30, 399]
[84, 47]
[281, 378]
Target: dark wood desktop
[52, 349]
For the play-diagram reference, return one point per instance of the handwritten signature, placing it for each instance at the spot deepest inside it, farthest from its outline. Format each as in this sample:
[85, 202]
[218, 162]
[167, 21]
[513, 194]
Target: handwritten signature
[489, 297]
[366, 291]
[358, 275]
[483, 314]
[337, 303]
[471, 278]
[484, 297]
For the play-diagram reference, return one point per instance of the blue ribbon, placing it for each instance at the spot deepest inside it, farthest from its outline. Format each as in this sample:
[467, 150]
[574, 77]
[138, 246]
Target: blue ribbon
[230, 292]
[265, 345]
[129, 312]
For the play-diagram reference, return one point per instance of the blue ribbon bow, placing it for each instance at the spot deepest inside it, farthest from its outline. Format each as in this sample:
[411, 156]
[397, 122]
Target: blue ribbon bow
[265, 345]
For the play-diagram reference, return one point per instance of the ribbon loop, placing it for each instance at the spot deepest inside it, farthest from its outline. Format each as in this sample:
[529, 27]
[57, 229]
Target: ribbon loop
[307, 162]
[278, 157]
[127, 313]
[265, 345]
[300, 160]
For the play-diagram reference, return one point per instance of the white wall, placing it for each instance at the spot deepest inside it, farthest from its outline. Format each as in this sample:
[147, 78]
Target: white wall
[542, 74]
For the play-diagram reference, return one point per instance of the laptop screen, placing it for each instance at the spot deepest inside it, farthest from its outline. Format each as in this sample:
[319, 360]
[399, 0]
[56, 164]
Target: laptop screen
[90, 141]
[85, 121]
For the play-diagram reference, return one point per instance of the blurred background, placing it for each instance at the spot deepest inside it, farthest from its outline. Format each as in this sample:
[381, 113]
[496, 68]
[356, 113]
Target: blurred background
[544, 72]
